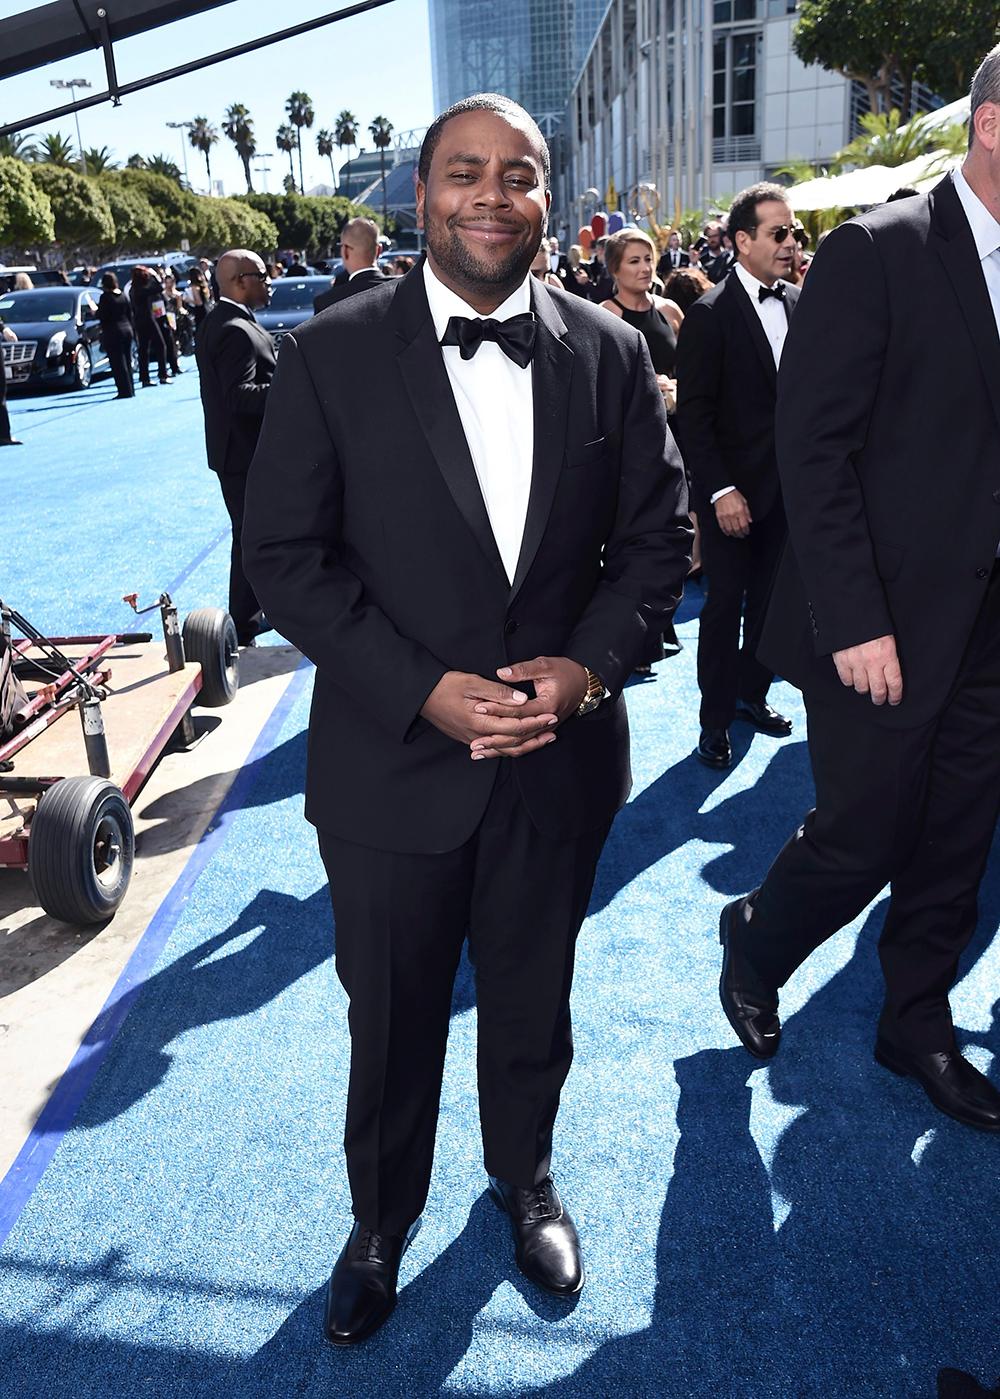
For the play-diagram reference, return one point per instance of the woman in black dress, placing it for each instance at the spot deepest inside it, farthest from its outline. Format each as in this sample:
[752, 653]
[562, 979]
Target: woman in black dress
[146, 291]
[630, 258]
[117, 333]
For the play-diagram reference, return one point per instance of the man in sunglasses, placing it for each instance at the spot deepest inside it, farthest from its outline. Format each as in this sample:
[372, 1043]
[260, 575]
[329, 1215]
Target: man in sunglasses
[728, 353]
[235, 362]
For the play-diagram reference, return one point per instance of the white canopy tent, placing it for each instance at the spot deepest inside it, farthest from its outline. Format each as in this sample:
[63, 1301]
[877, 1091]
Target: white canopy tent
[873, 184]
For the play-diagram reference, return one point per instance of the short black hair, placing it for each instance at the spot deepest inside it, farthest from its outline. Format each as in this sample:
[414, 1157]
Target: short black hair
[481, 102]
[743, 210]
[904, 192]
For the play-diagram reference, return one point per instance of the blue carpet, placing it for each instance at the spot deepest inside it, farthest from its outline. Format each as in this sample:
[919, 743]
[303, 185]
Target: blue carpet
[811, 1228]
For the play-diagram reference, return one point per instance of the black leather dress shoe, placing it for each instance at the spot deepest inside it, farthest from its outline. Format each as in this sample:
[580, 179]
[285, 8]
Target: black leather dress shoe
[713, 748]
[751, 1008]
[546, 1246]
[11, 442]
[763, 717]
[361, 1293]
[954, 1086]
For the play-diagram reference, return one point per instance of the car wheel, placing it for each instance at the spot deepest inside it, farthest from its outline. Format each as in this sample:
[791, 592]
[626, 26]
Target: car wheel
[83, 367]
[81, 849]
[210, 639]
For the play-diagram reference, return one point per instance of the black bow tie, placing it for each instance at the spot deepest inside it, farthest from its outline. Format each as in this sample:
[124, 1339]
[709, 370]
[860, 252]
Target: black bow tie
[516, 337]
[778, 291]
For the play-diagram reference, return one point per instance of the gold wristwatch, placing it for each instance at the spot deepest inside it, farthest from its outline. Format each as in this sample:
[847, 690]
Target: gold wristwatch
[593, 696]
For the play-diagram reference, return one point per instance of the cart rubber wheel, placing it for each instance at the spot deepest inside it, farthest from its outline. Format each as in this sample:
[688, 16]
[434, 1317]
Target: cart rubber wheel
[81, 848]
[210, 639]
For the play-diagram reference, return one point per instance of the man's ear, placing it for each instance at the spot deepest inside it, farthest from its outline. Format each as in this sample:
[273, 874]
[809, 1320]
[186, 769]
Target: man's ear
[421, 193]
[987, 125]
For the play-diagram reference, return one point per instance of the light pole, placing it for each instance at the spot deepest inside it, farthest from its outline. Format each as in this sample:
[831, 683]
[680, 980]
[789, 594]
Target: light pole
[262, 169]
[181, 126]
[72, 83]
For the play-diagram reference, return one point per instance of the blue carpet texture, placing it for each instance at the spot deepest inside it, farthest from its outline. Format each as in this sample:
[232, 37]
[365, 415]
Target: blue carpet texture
[809, 1228]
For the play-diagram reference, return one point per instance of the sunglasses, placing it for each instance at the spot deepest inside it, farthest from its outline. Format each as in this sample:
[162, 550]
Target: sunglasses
[262, 276]
[781, 233]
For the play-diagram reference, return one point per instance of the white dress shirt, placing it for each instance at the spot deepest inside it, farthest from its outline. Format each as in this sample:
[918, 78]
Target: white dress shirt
[986, 235]
[495, 404]
[771, 313]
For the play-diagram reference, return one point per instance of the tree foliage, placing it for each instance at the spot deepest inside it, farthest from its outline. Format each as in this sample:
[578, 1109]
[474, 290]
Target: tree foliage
[313, 224]
[886, 140]
[79, 208]
[238, 126]
[138, 227]
[25, 210]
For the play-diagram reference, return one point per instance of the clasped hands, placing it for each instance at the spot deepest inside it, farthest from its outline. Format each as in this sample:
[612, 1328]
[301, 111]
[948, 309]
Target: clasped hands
[497, 720]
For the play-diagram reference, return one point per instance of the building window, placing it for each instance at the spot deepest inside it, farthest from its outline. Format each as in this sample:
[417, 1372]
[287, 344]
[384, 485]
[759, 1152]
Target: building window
[728, 10]
[734, 96]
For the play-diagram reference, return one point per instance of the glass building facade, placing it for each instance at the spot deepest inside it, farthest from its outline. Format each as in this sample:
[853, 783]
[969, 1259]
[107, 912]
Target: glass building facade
[530, 50]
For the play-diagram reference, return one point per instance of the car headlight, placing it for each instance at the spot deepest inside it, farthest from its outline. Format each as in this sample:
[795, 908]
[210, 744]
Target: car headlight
[56, 345]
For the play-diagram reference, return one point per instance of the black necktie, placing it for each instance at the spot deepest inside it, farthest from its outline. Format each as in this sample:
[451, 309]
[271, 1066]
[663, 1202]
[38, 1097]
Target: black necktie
[778, 290]
[516, 337]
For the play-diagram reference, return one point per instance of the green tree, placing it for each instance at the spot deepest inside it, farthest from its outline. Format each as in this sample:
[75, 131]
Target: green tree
[886, 140]
[956, 37]
[83, 219]
[25, 209]
[163, 165]
[246, 227]
[311, 223]
[138, 227]
[286, 140]
[300, 113]
[178, 208]
[324, 145]
[136, 162]
[56, 150]
[346, 134]
[238, 126]
[203, 136]
[380, 130]
[99, 160]
[19, 146]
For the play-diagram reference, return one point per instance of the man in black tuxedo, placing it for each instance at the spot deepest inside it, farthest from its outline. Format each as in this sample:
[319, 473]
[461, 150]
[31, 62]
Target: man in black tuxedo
[467, 510]
[886, 612]
[602, 284]
[716, 258]
[674, 257]
[728, 352]
[235, 363]
[359, 250]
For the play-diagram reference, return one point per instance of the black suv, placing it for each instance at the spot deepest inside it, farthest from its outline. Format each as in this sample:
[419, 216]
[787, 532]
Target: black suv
[58, 337]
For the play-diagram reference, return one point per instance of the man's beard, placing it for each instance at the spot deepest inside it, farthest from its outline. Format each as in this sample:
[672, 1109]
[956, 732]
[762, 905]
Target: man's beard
[479, 275]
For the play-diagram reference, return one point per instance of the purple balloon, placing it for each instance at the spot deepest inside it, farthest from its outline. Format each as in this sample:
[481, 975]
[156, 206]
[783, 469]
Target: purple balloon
[615, 222]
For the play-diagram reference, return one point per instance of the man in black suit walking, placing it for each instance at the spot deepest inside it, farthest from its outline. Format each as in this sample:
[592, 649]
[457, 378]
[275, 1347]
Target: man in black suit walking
[886, 612]
[235, 364]
[359, 251]
[467, 510]
[728, 352]
[674, 257]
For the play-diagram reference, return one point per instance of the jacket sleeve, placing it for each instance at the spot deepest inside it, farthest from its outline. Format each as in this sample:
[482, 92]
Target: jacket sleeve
[648, 552]
[841, 327]
[700, 367]
[236, 365]
[293, 555]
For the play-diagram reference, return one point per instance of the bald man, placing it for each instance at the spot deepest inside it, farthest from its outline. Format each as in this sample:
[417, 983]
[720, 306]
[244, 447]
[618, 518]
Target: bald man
[359, 254]
[236, 361]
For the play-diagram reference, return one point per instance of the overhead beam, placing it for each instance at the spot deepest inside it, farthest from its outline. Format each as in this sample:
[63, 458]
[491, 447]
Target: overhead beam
[125, 89]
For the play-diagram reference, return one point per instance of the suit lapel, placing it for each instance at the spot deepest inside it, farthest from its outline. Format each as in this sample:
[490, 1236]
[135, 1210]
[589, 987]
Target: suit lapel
[952, 238]
[551, 372]
[426, 380]
[735, 288]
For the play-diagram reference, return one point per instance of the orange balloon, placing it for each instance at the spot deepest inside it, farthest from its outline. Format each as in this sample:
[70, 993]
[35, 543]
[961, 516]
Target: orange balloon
[585, 238]
[599, 224]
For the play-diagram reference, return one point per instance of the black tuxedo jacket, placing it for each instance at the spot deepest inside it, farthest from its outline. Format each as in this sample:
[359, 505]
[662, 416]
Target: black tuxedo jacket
[666, 265]
[235, 363]
[889, 456]
[370, 277]
[367, 540]
[726, 387]
[717, 267]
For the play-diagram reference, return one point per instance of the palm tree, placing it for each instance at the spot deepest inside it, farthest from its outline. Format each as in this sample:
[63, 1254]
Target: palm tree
[886, 140]
[300, 113]
[346, 134]
[238, 126]
[325, 144]
[19, 147]
[159, 165]
[98, 160]
[203, 137]
[56, 150]
[286, 141]
[380, 130]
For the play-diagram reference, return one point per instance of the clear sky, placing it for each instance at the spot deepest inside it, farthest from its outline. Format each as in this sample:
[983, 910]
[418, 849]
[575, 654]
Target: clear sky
[375, 64]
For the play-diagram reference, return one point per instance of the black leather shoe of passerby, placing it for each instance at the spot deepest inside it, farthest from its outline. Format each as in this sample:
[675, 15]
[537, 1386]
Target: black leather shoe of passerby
[546, 1245]
[954, 1086]
[361, 1293]
[764, 718]
[11, 442]
[751, 1007]
[713, 748]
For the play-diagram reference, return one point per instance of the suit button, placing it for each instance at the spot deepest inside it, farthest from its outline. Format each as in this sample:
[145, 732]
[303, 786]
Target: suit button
[510, 627]
[982, 572]
[996, 497]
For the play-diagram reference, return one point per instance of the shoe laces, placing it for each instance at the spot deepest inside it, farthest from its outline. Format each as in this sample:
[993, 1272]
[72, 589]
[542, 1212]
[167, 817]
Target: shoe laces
[370, 1246]
[538, 1202]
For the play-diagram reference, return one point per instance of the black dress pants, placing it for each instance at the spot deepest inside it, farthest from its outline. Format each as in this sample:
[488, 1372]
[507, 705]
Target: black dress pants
[915, 808]
[401, 921]
[244, 608]
[738, 575]
[118, 349]
[151, 346]
[4, 416]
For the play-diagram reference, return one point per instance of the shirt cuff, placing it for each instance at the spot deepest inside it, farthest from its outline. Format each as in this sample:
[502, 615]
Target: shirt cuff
[719, 494]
